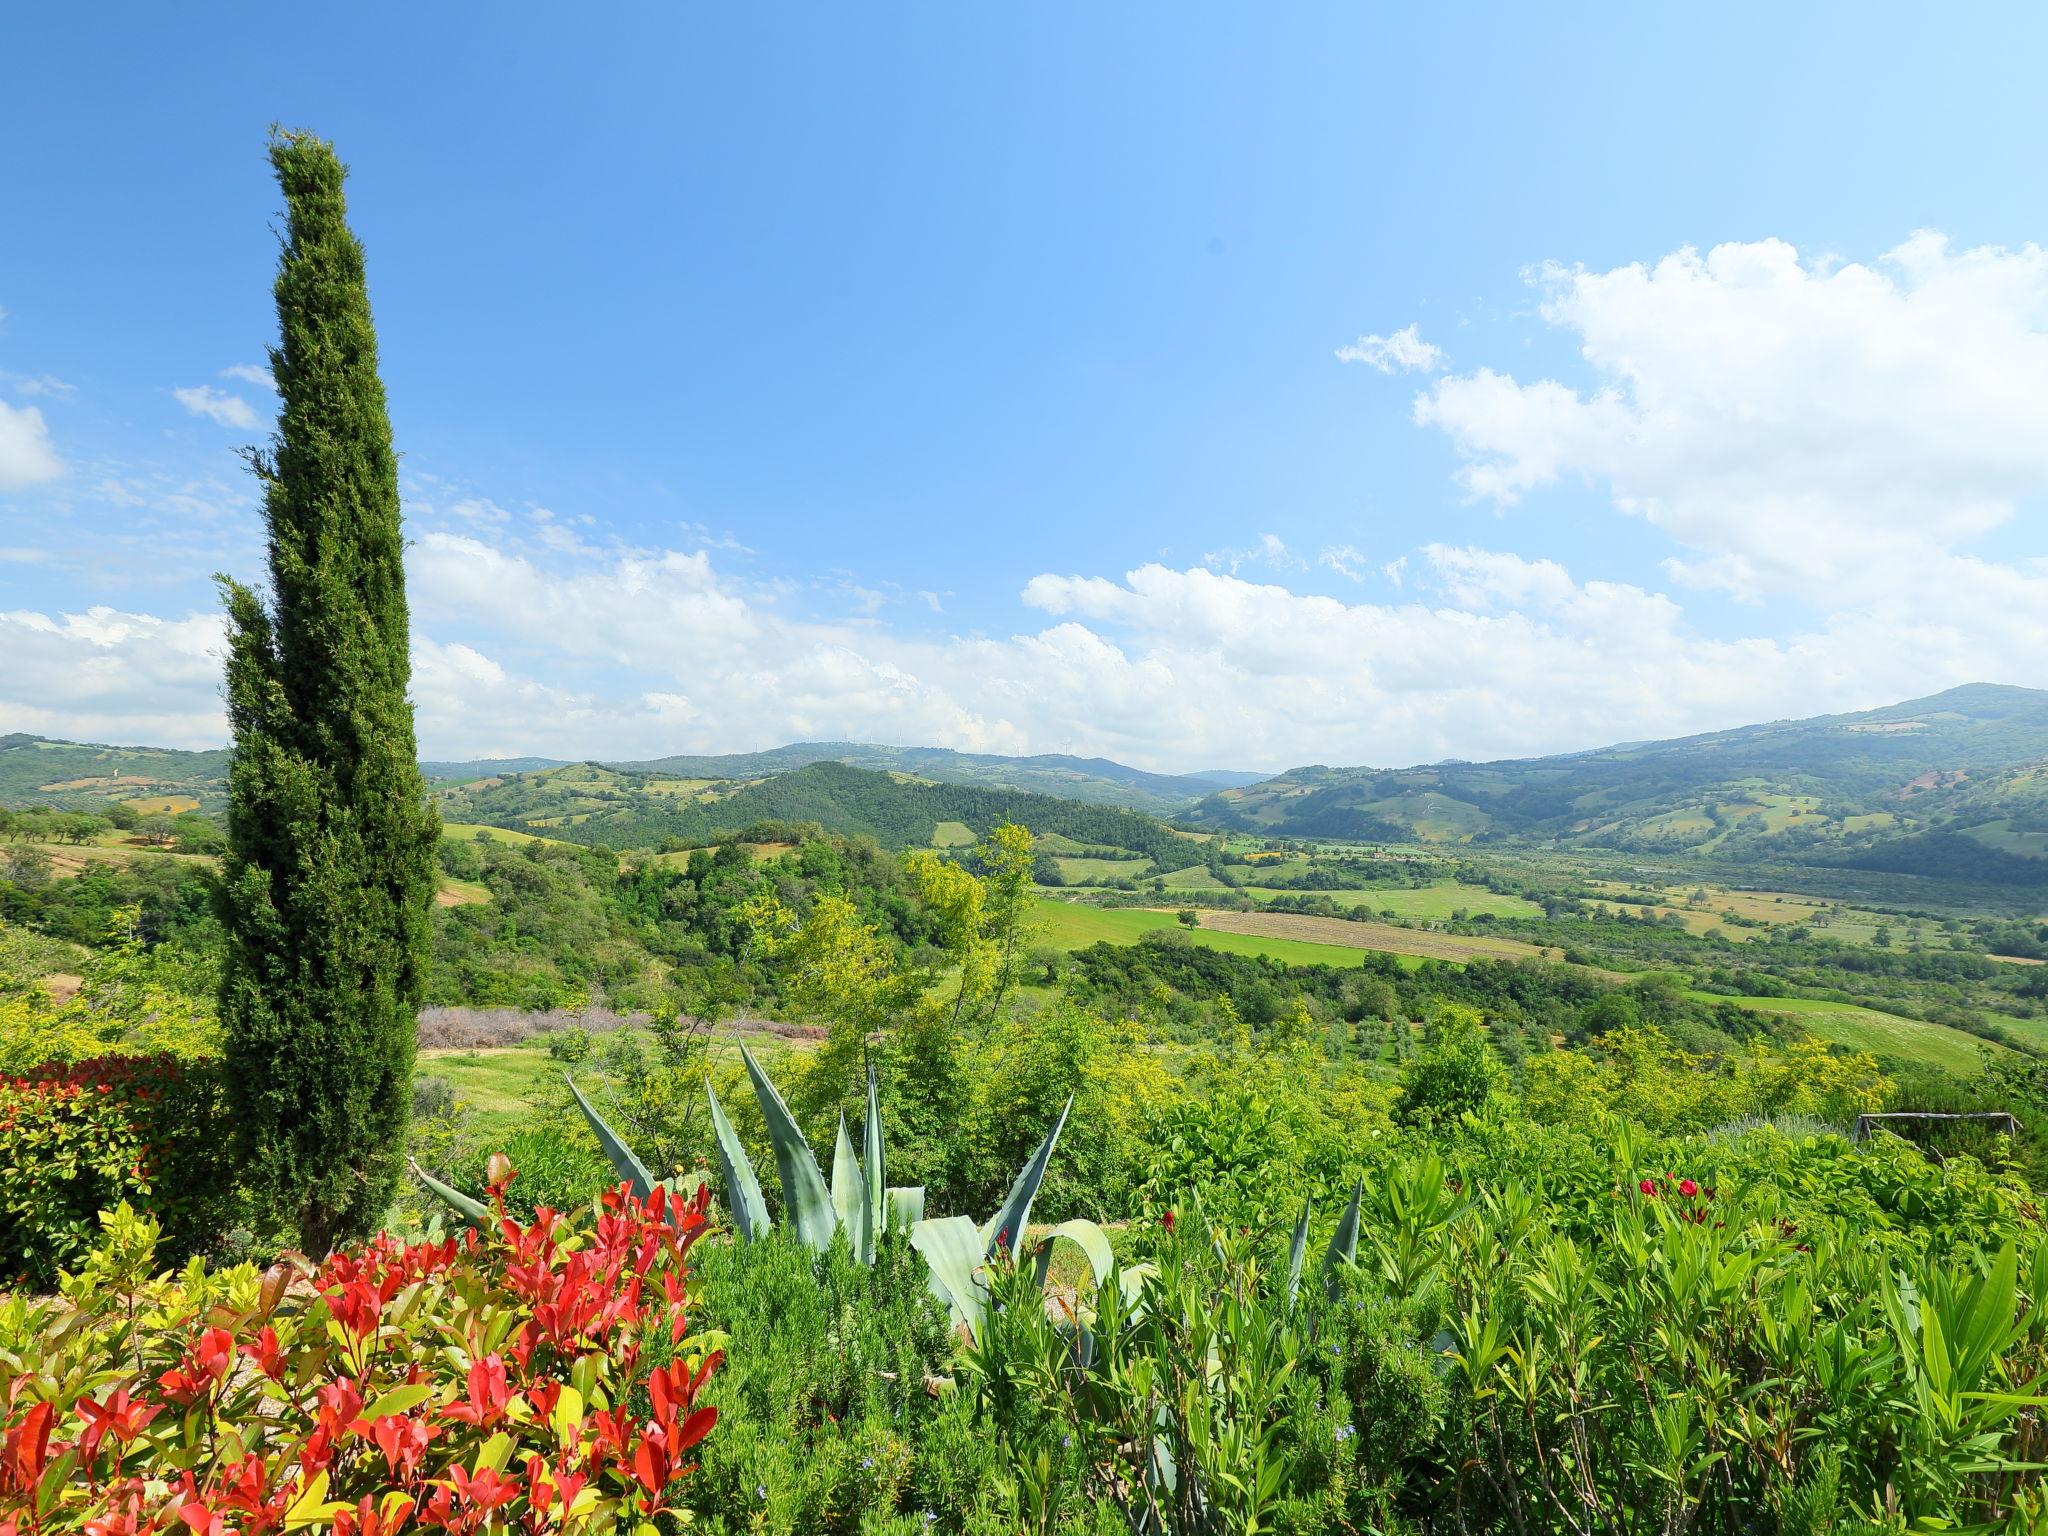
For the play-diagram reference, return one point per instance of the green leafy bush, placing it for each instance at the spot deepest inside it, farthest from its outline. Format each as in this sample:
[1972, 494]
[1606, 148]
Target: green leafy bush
[78, 1138]
[1542, 1331]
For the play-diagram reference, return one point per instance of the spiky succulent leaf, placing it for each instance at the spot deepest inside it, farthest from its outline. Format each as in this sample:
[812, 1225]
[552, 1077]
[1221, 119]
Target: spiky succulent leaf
[1343, 1248]
[806, 1204]
[1008, 1224]
[874, 1205]
[629, 1167]
[742, 1188]
[475, 1210]
[953, 1255]
[848, 1191]
[1297, 1250]
[1083, 1234]
[905, 1204]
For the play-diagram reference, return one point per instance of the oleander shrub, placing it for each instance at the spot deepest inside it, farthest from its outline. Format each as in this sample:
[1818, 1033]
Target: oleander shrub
[525, 1377]
[1540, 1332]
[80, 1137]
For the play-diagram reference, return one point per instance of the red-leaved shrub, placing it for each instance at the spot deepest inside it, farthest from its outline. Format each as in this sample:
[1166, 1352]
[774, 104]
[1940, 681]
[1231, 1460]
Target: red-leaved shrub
[527, 1378]
[80, 1137]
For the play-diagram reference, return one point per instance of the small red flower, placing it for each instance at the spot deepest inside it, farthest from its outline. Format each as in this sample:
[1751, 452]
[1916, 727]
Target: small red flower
[1687, 1188]
[1166, 1221]
[1648, 1187]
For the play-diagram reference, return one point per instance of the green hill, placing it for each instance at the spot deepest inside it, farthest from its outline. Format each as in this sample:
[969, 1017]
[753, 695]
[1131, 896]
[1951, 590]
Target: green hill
[85, 776]
[589, 803]
[1094, 779]
[1951, 786]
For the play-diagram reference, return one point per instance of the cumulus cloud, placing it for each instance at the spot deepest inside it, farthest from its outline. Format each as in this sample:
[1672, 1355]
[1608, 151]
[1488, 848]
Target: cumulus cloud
[106, 675]
[26, 455]
[1403, 352]
[1790, 421]
[1832, 442]
[641, 653]
[217, 405]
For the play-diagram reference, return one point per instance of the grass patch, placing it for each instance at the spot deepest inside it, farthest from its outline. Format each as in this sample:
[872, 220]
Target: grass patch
[955, 834]
[1868, 1029]
[1066, 925]
[1094, 871]
[468, 830]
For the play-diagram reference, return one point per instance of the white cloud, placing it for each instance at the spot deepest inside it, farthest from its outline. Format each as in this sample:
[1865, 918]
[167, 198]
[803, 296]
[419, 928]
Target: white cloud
[46, 384]
[638, 654]
[1346, 560]
[250, 373]
[1270, 553]
[26, 456]
[1403, 352]
[218, 406]
[105, 675]
[1795, 424]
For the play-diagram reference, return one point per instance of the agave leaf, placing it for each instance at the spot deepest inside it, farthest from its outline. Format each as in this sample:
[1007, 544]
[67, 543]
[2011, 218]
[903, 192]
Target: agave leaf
[846, 1190]
[1086, 1236]
[805, 1203]
[1344, 1241]
[629, 1167]
[475, 1210]
[1297, 1250]
[953, 1255]
[874, 1204]
[742, 1188]
[906, 1207]
[1009, 1222]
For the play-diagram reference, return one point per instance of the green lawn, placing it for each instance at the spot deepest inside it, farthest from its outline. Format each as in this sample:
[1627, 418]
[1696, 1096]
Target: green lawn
[952, 834]
[1064, 925]
[1868, 1029]
[500, 1085]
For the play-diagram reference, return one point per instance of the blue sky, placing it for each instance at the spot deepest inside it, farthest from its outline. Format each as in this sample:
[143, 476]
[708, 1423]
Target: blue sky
[940, 374]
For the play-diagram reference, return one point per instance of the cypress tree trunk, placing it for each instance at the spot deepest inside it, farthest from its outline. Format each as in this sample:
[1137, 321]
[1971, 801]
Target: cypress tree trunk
[328, 882]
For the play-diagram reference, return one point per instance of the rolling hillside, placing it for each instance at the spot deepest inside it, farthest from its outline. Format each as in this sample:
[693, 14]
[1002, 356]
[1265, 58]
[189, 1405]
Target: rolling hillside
[1093, 779]
[1955, 785]
[37, 772]
[586, 803]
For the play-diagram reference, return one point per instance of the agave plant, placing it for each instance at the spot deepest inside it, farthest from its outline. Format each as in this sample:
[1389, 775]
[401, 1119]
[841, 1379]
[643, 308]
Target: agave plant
[858, 1199]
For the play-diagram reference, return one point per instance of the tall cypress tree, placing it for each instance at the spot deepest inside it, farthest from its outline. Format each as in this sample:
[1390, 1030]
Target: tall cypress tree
[328, 882]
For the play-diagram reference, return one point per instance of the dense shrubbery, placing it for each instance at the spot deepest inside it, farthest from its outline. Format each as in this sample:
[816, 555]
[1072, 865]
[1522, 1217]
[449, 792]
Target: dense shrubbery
[527, 1377]
[78, 1138]
[1552, 1332]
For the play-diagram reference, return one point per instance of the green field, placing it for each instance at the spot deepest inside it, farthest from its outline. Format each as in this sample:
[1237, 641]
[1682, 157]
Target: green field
[467, 830]
[1426, 904]
[499, 1085]
[1868, 1029]
[1065, 925]
[1094, 871]
[952, 834]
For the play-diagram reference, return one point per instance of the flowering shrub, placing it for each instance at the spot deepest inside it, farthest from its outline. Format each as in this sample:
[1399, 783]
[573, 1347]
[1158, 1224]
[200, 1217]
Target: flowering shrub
[527, 1378]
[79, 1137]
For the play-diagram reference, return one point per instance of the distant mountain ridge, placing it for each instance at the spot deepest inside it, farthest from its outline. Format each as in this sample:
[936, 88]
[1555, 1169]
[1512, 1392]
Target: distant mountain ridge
[36, 770]
[1953, 786]
[1868, 789]
[1096, 780]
